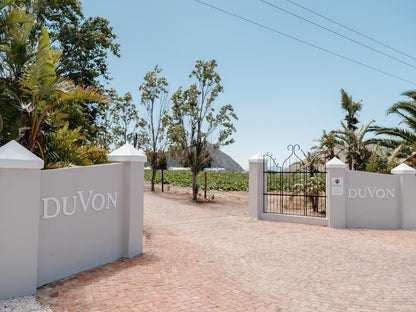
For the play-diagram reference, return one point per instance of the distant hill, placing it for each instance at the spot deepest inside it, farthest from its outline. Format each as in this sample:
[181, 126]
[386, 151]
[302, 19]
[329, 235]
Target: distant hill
[221, 160]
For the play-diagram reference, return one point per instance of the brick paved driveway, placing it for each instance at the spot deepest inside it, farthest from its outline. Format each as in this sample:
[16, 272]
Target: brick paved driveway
[202, 259]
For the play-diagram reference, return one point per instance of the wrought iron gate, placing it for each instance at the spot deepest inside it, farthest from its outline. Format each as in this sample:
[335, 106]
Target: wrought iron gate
[297, 187]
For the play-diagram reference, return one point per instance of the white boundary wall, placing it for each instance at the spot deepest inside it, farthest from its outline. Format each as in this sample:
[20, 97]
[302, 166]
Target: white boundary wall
[354, 198]
[55, 223]
[371, 200]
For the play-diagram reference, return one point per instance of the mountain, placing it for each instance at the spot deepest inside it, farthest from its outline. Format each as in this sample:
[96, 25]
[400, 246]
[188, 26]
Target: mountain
[221, 160]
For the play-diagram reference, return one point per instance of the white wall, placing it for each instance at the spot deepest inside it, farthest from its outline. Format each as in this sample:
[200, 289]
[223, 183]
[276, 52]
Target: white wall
[91, 235]
[355, 199]
[56, 223]
[372, 200]
[19, 215]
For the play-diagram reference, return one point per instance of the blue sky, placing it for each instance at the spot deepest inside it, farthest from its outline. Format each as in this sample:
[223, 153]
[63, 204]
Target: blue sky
[284, 92]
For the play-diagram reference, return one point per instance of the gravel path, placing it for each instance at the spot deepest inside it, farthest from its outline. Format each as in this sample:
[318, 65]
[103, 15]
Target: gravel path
[22, 304]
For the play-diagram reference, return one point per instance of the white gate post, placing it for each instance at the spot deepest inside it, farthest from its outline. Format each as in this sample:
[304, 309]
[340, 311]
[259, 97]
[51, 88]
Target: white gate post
[256, 186]
[335, 193]
[133, 161]
[408, 195]
[19, 220]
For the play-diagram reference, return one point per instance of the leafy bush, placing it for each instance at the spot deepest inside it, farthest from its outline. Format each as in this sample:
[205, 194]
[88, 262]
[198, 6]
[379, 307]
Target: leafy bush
[65, 148]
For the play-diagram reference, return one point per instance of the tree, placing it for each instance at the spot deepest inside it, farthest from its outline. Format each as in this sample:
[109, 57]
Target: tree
[105, 124]
[154, 99]
[406, 135]
[86, 44]
[383, 160]
[314, 182]
[195, 125]
[328, 145]
[355, 145]
[125, 119]
[15, 52]
[45, 93]
[351, 108]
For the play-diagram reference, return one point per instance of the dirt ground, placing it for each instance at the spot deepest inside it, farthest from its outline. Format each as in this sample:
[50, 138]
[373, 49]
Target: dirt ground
[233, 203]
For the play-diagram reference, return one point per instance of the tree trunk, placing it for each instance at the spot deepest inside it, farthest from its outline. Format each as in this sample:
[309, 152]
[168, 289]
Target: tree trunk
[315, 203]
[194, 186]
[163, 182]
[153, 179]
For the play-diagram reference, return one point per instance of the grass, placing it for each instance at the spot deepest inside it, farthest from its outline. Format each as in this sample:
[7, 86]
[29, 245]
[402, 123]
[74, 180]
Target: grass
[221, 181]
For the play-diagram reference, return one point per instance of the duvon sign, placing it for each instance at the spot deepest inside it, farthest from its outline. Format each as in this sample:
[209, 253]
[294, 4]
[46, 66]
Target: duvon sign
[69, 220]
[371, 192]
[68, 205]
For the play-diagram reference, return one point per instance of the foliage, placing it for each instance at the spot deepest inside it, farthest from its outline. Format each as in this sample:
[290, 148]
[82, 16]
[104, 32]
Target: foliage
[355, 145]
[86, 44]
[35, 100]
[328, 145]
[351, 137]
[194, 123]
[348, 140]
[221, 181]
[307, 177]
[15, 52]
[105, 124]
[125, 119]
[154, 99]
[45, 91]
[382, 160]
[311, 186]
[406, 136]
[66, 148]
[351, 108]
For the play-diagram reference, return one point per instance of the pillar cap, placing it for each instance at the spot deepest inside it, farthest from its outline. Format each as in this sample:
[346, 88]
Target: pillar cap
[336, 164]
[127, 153]
[258, 158]
[403, 169]
[15, 156]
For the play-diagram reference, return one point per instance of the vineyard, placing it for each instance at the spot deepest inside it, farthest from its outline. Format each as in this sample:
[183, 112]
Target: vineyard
[220, 181]
[228, 181]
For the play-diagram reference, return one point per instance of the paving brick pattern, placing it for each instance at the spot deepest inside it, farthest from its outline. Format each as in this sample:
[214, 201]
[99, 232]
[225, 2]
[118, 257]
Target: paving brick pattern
[201, 259]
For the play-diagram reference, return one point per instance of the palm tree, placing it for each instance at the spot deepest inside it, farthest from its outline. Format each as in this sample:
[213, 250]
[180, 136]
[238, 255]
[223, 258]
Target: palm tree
[351, 108]
[355, 145]
[406, 110]
[328, 145]
[383, 160]
[45, 93]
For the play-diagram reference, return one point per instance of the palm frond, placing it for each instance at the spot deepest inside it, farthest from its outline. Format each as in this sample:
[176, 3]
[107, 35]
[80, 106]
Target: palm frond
[407, 136]
[84, 94]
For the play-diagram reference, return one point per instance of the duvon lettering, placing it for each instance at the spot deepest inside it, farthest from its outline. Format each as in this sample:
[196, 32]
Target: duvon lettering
[68, 205]
[372, 192]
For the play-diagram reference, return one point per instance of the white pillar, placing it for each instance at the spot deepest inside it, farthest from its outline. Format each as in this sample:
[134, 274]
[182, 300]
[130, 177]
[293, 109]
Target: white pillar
[19, 220]
[256, 185]
[335, 193]
[408, 195]
[133, 161]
